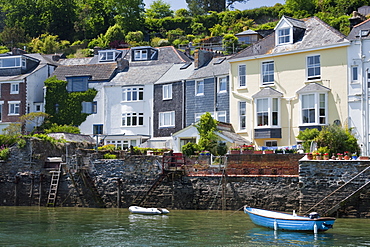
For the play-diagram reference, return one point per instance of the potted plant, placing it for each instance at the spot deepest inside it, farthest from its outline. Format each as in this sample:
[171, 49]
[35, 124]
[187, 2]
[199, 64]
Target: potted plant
[269, 151]
[354, 156]
[247, 149]
[309, 156]
[339, 156]
[235, 150]
[346, 155]
[326, 156]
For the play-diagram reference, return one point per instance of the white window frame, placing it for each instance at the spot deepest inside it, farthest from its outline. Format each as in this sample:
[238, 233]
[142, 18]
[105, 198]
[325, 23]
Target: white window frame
[132, 119]
[284, 36]
[167, 91]
[167, 119]
[132, 94]
[140, 55]
[268, 74]
[221, 116]
[269, 109]
[354, 74]
[199, 87]
[314, 66]
[14, 107]
[242, 75]
[222, 84]
[242, 115]
[14, 88]
[318, 107]
[18, 62]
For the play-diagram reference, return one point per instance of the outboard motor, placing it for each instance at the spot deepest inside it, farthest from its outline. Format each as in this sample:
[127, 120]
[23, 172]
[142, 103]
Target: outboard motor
[313, 215]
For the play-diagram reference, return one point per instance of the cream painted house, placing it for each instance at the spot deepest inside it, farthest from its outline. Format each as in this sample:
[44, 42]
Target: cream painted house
[291, 80]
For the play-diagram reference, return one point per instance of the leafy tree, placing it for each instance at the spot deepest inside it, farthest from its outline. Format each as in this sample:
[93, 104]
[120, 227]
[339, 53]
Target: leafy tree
[133, 37]
[189, 148]
[230, 42]
[115, 33]
[3, 49]
[207, 126]
[128, 13]
[13, 36]
[159, 9]
[101, 41]
[335, 138]
[182, 13]
[34, 118]
[48, 44]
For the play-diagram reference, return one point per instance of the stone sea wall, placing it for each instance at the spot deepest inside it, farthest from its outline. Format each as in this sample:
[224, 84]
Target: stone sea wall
[89, 181]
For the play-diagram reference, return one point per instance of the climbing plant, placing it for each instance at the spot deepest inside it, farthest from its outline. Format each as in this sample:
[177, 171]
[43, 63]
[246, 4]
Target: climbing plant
[65, 107]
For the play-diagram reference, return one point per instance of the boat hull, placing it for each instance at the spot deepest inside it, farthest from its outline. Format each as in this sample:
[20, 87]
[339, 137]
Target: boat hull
[276, 220]
[141, 210]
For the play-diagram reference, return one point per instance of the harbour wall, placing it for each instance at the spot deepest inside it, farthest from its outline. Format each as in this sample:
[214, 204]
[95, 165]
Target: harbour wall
[89, 181]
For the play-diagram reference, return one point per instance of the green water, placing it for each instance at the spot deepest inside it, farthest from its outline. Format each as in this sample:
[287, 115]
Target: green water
[33, 226]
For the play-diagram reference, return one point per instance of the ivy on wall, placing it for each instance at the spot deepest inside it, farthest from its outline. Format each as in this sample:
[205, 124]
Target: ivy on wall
[65, 107]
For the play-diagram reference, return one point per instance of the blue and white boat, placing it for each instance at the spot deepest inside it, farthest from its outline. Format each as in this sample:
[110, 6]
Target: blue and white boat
[141, 210]
[292, 222]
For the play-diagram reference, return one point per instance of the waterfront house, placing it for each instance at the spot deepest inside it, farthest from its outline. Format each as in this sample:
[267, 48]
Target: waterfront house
[22, 79]
[293, 79]
[358, 81]
[207, 89]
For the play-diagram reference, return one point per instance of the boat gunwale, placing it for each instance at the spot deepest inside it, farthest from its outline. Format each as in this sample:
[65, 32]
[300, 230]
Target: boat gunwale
[303, 218]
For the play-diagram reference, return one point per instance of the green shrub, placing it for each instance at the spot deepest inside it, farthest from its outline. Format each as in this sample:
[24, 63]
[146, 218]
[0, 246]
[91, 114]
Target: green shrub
[49, 139]
[189, 148]
[21, 143]
[4, 153]
[109, 147]
[110, 156]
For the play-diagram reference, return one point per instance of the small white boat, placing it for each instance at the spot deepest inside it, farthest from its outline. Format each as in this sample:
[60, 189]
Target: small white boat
[141, 210]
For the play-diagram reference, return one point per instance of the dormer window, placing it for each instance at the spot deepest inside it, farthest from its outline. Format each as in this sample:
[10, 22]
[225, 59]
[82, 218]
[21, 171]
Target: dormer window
[141, 55]
[108, 55]
[284, 36]
[12, 62]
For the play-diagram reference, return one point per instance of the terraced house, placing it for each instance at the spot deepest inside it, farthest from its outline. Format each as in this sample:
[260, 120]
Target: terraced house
[293, 79]
[22, 79]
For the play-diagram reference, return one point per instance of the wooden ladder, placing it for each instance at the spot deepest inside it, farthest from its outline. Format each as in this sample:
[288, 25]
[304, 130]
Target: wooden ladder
[55, 176]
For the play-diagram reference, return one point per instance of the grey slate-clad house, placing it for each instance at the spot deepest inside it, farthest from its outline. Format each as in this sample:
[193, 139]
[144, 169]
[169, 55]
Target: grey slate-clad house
[22, 79]
[169, 100]
[207, 89]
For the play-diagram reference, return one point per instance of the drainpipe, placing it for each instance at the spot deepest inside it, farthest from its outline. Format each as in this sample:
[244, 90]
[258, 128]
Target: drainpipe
[183, 105]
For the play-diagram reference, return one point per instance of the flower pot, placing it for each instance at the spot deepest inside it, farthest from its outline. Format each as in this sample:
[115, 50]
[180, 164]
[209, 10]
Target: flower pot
[326, 157]
[234, 151]
[258, 152]
[346, 157]
[354, 157]
[269, 151]
[247, 151]
[309, 156]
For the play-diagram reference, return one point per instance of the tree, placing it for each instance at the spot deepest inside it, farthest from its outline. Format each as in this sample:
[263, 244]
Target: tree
[159, 9]
[128, 14]
[207, 126]
[13, 36]
[335, 138]
[230, 42]
[48, 44]
[34, 118]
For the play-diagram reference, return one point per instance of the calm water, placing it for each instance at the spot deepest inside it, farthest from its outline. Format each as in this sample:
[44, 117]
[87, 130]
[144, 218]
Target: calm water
[33, 226]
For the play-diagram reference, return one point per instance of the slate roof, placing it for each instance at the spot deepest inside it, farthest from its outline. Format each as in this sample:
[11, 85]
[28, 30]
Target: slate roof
[42, 63]
[175, 73]
[213, 68]
[317, 34]
[140, 75]
[166, 54]
[296, 22]
[313, 87]
[246, 32]
[268, 92]
[98, 72]
[355, 32]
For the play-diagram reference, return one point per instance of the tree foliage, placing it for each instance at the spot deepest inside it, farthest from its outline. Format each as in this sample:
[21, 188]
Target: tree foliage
[207, 128]
[159, 9]
[335, 138]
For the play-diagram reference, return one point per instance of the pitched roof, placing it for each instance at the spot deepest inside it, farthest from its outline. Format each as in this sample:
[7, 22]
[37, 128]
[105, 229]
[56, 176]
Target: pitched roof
[140, 75]
[355, 32]
[216, 67]
[267, 92]
[98, 72]
[175, 73]
[313, 87]
[166, 54]
[317, 34]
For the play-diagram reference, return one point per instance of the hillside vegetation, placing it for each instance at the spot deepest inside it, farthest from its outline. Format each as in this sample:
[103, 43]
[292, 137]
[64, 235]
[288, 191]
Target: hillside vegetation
[76, 26]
